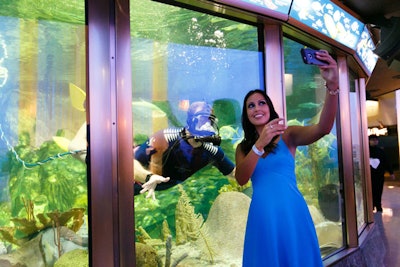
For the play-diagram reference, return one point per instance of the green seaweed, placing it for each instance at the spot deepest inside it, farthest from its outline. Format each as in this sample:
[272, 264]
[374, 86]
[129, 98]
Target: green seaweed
[26, 227]
[202, 189]
[166, 231]
[59, 184]
[234, 186]
[190, 226]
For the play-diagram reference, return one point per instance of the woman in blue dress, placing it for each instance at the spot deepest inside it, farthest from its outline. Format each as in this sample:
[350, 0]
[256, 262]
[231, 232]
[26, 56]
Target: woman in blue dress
[280, 231]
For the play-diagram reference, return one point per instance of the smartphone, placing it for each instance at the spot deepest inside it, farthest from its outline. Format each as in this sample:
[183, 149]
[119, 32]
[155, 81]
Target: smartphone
[308, 56]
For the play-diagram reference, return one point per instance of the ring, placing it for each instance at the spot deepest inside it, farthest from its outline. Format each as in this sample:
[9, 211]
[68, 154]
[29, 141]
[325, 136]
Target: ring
[271, 126]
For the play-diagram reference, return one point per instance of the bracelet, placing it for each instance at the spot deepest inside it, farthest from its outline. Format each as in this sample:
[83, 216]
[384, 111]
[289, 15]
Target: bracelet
[332, 92]
[258, 152]
[148, 176]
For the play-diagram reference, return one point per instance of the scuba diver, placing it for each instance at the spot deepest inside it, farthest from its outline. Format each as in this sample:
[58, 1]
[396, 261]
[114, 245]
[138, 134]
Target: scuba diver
[172, 155]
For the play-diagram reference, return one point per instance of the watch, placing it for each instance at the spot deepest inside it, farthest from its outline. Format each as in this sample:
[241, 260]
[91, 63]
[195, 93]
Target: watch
[148, 177]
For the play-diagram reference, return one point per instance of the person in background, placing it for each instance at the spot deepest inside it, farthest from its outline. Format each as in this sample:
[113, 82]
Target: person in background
[379, 164]
[280, 230]
[172, 155]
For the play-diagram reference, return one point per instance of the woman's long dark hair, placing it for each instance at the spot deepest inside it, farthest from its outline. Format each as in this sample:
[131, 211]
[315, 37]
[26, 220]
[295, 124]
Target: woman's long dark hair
[250, 133]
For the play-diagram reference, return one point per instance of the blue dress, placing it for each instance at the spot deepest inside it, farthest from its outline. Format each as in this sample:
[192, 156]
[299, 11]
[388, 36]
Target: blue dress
[280, 231]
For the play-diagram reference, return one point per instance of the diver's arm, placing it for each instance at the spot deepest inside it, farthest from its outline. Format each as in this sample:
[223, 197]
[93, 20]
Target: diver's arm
[152, 177]
[158, 145]
[221, 161]
[139, 172]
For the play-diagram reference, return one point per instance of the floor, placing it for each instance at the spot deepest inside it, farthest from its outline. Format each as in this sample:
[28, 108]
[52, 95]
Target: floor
[390, 218]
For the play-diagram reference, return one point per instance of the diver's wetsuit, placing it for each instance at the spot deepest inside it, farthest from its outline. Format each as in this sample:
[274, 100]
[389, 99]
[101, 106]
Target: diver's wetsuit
[180, 160]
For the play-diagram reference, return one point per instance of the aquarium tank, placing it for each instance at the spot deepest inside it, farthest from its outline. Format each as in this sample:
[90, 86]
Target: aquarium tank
[43, 208]
[178, 57]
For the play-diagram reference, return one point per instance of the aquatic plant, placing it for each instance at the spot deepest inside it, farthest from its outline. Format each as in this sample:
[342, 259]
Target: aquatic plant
[202, 189]
[316, 165]
[32, 224]
[56, 185]
[145, 238]
[190, 226]
[234, 186]
[168, 252]
[153, 243]
[166, 232]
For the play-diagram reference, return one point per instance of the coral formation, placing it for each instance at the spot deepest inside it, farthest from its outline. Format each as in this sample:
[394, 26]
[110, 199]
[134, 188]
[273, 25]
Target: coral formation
[146, 256]
[76, 258]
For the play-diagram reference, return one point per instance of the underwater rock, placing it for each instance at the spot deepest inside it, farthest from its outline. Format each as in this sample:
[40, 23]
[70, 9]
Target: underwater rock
[227, 224]
[146, 256]
[3, 248]
[76, 258]
[329, 233]
[69, 241]
[10, 263]
[27, 256]
[42, 251]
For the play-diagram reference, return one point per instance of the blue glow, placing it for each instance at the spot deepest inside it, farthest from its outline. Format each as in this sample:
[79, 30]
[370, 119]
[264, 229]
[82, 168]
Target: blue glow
[281, 6]
[365, 48]
[329, 19]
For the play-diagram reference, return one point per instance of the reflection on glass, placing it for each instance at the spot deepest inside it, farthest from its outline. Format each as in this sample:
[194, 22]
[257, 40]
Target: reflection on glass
[317, 164]
[329, 19]
[43, 193]
[355, 123]
[181, 57]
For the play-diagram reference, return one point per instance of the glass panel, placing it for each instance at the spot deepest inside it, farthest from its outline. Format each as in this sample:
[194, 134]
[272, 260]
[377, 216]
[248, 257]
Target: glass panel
[355, 123]
[317, 164]
[43, 208]
[180, 57]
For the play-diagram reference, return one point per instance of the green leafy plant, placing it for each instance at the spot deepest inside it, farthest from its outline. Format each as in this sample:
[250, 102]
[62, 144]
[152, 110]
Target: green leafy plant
[56, 185]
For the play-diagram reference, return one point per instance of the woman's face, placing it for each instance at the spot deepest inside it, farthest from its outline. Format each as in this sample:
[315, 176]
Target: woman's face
[257, 109]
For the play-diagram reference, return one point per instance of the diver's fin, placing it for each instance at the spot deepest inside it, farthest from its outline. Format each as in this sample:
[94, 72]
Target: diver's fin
[77, 96]
[62, 142]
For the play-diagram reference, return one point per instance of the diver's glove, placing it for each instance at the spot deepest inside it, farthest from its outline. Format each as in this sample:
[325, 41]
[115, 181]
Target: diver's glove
[152, 180]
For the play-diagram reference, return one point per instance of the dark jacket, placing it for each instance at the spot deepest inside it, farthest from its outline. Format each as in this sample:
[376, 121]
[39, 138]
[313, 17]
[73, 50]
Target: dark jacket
[376, 152]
